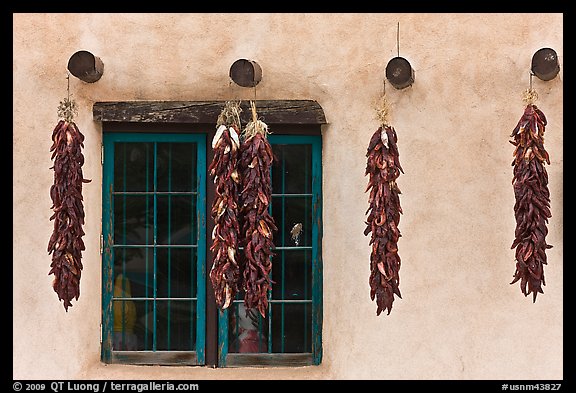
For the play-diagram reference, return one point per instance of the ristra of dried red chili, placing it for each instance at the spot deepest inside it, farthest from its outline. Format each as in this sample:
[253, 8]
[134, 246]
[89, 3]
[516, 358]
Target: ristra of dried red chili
[66, 244]
[256, 159]
[225, 272]
[532, 206]
[383, 168]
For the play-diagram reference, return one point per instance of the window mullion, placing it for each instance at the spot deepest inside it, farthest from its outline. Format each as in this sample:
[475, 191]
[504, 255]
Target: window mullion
[306, 207]
[193, 285]
[146, 241]
[124, 242]
[283, 252]
[169, 241]
[155, 249]
[201, 253]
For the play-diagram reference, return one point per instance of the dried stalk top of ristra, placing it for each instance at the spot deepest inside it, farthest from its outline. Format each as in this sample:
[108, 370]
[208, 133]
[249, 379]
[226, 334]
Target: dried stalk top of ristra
[230, 115]
[255, 126]
[225, 272]
[382, 108]
[67, 109]
[532, 206]
[529, 96]
[66, 244]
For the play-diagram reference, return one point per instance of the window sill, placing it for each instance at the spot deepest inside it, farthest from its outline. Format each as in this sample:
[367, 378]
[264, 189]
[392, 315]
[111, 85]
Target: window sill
[269, 360]
[189, 358]
[162, 358]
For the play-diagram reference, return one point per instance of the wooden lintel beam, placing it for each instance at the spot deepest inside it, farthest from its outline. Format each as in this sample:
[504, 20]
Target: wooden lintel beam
[206, 112]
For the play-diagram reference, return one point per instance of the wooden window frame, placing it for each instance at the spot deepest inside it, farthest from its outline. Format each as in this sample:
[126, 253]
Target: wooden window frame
[226, 359]
[108, 355]
[285, 118]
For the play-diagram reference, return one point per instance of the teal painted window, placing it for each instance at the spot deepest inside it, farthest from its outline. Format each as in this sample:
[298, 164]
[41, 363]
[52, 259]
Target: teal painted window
[154, 254]
[291, 332]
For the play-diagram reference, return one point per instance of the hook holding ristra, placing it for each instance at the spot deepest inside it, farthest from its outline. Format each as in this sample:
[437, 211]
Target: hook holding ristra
[67, 108]
[530, 95]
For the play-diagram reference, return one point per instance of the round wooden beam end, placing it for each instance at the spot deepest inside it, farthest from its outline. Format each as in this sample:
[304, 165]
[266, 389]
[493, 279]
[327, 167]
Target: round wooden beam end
[399, 73]
[246, 73]
[85, 66]
[545, 64]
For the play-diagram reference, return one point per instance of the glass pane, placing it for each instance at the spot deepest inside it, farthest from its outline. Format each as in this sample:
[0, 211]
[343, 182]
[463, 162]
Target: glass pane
[176, 219]
[291, 329]
[291, 173]
[154, 215]
[176, 165]
[133, 166]
[176, 272]
[175, 325]
[247, 332]
[133, 272]
[292, 275]
[289, 324]
[293, 217]
[132, 326]
[133, 219]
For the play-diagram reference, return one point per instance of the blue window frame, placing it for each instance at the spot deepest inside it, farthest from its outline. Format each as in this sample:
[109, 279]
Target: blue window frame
[155, 256]
[291, 333]
[154, 248]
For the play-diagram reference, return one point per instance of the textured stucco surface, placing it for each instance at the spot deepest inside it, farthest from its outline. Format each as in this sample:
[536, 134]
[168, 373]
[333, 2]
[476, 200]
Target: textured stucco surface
[459, 317]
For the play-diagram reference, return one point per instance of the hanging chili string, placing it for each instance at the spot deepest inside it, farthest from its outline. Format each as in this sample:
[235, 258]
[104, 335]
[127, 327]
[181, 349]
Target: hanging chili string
[532, 206]
[383, 168]
[66, 244]
[225, 272]
[258, 227]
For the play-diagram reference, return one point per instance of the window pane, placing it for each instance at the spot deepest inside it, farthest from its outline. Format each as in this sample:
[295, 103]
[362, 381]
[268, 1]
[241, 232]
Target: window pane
[133, 219]
[175, 325]
[155, 232]
[291, 328]
[176, 166]
[176, 275]
[247, 332]
[133, 272]
[133, 166]
[291, 172]
[293, 217]
[176, 219]
[292, 275]
[132, 325]
[287, 327]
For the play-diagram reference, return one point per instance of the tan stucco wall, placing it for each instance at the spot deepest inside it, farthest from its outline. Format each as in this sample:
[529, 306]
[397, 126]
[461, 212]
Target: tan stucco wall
[459, 317]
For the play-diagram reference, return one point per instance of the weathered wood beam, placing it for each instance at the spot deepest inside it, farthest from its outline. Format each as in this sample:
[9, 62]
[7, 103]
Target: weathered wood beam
[268, 359]
[206, 112]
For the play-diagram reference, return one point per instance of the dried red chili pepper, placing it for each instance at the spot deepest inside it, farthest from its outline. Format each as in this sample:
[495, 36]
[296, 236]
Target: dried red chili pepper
[383, 168]
[258, 226]
[225, 272]
[532, 207]
[66, 244]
